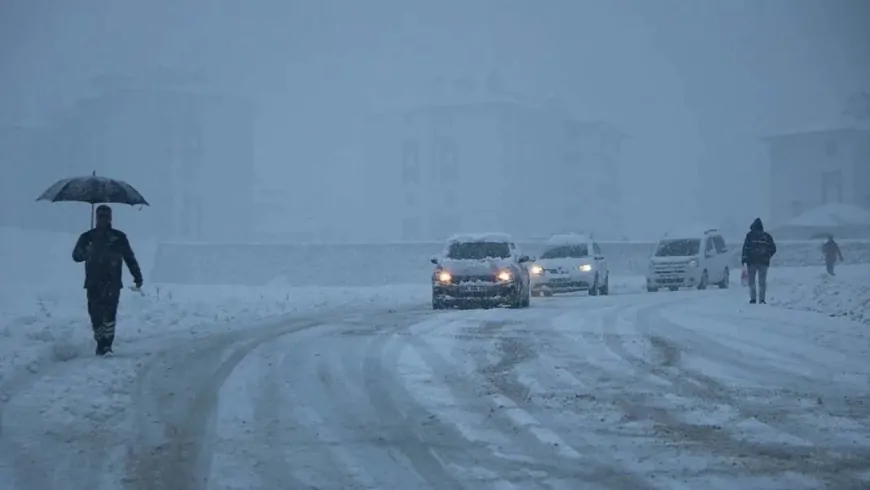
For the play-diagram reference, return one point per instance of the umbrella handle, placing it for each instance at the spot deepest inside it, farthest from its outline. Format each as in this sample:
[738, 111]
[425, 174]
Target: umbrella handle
[92, 216]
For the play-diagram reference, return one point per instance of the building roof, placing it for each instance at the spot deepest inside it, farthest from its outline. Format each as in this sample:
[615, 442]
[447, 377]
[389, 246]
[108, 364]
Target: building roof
[832, 215]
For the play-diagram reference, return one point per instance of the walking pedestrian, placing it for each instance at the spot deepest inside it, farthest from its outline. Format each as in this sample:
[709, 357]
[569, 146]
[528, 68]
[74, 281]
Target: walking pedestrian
[102, 249]
[832, 254]
[758, 249]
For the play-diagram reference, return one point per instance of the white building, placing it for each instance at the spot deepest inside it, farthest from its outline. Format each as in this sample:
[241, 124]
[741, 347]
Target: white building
[811, 168]
[525, 170]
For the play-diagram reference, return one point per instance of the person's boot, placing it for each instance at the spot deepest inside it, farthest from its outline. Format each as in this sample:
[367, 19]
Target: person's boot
[101, 348]
[108, 346]
[752, 301]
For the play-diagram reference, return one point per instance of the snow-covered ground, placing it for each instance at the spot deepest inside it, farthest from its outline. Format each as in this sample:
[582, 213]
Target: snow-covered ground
[845, 295]
[287, 387]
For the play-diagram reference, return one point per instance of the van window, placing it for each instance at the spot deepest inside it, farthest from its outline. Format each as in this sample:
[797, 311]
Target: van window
[596, 249]
[709, 248]
[719, 242]
[682, 247]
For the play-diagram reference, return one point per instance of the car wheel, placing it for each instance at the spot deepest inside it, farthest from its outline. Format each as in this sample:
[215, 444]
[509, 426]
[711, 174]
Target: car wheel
[593, 291]
[704, 280]
[726, 279]
[548, 293]
[605, 289]
[674, 289]
[536, 293]
[438, 305]
[516, 300]
[651, 289]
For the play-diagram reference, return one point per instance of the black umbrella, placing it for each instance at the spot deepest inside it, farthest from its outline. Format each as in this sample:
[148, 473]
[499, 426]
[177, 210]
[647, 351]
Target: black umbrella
[93, 190]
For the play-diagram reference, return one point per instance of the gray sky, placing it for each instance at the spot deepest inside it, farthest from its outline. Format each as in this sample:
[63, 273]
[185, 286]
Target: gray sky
[686, 78]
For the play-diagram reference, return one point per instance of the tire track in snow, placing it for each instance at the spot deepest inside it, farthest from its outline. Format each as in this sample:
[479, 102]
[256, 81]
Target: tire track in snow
[507, 454]
[176, 401]
[502, 375]
[763, 458]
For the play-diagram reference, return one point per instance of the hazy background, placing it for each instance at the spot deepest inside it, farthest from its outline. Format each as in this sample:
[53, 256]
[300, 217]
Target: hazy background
[693, 84]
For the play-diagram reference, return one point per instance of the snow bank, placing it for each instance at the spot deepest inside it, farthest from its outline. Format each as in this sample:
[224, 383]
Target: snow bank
[811, 289]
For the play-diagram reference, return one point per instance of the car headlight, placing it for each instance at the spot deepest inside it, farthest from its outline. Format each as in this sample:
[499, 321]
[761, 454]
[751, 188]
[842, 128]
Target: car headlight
[505, 276]
[585, 268]
[693, 263]
[444, 277]
[536, 270]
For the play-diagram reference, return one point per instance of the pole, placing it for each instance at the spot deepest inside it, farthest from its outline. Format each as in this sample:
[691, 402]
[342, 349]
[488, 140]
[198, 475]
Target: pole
[93, 174]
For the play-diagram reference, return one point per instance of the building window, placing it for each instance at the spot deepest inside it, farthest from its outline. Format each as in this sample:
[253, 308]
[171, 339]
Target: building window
[832, 187]
[410, 162]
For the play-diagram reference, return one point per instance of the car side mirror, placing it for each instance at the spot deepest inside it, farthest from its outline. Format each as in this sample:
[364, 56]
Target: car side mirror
[434, 260]
[523, 259]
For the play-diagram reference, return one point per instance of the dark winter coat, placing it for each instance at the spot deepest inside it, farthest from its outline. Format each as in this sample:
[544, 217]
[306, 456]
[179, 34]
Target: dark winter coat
[102, 251]
[759, 247]
[832, 251]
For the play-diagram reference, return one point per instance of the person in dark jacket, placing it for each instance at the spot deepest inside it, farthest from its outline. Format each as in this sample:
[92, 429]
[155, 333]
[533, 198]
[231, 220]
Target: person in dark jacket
[758, 249]
[102, 249]
[832, 254]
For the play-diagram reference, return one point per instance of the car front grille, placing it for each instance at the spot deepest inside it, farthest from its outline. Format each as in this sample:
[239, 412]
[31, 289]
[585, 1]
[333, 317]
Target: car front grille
[670, 269]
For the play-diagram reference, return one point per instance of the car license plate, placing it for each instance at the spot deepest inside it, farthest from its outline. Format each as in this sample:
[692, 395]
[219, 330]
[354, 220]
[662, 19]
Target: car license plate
[474, 289]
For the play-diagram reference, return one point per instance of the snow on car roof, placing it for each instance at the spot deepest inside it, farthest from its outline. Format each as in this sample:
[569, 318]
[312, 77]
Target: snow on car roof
[569, 239]
[697, 232]
[491, 237]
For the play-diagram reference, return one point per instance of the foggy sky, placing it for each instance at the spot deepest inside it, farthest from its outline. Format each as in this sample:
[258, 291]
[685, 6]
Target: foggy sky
[694, 82]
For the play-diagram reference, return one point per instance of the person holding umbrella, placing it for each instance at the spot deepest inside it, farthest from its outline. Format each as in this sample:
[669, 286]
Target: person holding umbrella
[102, 249]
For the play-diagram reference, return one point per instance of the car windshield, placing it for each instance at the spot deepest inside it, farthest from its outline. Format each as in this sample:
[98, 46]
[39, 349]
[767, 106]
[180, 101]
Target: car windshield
[577, 251]
[678, 248]
[478, 250]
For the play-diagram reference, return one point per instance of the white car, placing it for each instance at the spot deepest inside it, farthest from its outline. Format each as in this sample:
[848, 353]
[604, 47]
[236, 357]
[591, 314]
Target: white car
[571, 262]
[689, 259]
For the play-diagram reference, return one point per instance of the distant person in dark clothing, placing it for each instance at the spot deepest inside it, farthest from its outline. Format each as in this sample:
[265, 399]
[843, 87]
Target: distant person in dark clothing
[832, 254]
[758, 249]
[102, 249]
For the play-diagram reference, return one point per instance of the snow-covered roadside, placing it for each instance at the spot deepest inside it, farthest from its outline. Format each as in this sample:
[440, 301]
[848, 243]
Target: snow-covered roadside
[45, 326]
[811, 289]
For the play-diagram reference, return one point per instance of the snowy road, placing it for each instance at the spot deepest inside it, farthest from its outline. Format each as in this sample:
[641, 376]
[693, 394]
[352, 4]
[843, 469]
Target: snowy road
[669, 391]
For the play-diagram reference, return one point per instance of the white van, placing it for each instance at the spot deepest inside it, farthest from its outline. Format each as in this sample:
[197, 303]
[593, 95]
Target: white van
[689, 260]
